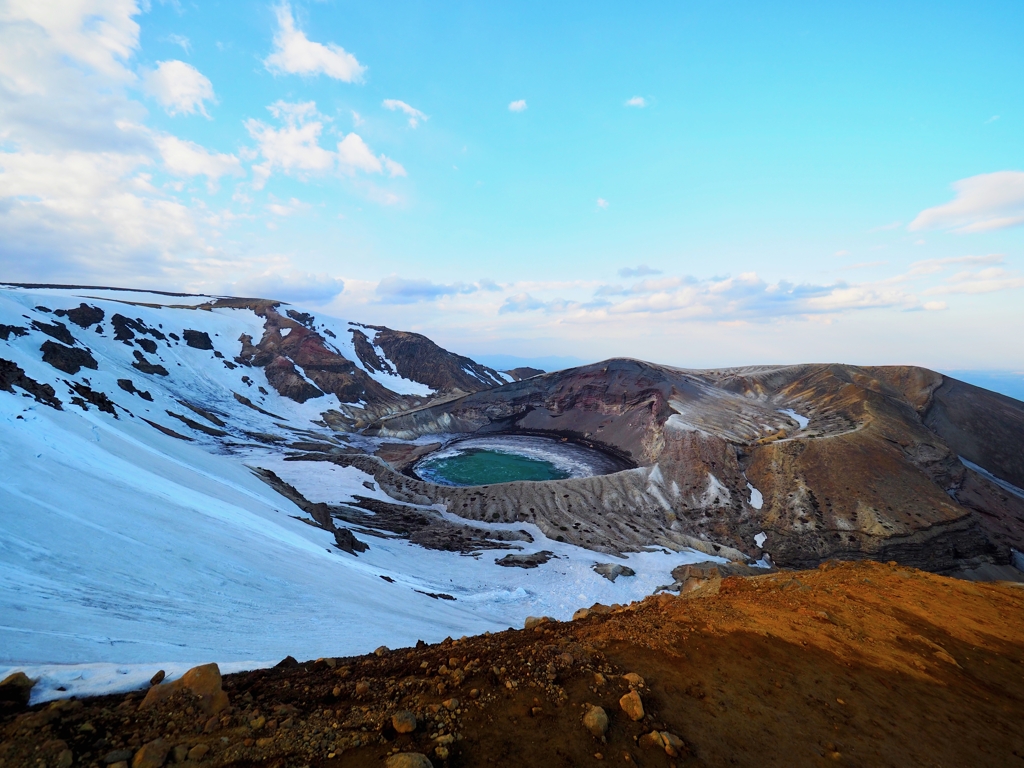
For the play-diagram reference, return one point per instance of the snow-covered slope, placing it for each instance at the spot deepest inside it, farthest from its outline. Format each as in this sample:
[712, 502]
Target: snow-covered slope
[133, 531]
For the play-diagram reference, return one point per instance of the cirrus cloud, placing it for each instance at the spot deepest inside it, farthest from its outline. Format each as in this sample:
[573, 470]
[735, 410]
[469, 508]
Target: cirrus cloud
[414, 114]
[982, 203]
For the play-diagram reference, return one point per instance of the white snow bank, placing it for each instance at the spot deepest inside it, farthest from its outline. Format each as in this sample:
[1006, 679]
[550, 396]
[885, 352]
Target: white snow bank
[756, 499]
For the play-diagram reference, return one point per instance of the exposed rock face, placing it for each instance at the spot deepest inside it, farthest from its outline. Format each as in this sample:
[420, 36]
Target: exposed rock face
[58, 331]
[12, 375]
[83, 315]
[197, 339]
[286, 380]
[142, 364]
[416, 357]
[68, 359]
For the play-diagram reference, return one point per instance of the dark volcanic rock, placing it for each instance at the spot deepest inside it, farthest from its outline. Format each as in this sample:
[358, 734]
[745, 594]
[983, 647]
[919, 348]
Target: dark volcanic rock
[197, 339]
[129, 386]
[147, 345]
[125, 328]
[347, 542]
[89, 395]
[6, 331]
[142, 364]
[58, 331]
[11, 375]
[83, 315]
[68, 359]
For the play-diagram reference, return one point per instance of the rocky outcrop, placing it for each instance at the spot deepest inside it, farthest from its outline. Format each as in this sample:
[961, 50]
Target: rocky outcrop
[12, 375]
[197, 339]
[83, 315]
[416, 357]
[68, 359]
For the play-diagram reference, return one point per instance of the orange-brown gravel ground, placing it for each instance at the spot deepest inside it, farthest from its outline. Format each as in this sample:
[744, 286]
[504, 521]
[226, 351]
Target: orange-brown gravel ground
[850, 664]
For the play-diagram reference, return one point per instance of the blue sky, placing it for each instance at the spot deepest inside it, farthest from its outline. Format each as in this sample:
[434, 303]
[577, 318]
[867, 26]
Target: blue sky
[694, 183]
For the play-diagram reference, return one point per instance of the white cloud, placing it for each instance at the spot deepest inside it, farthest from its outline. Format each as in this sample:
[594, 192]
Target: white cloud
[602, 203]
[295, 149]
[985, 202]
[65, 215]
[393, 168]
[180, 88]
[185, 158]
[414, 114]
[295, 54]
[517, 106]
[637, 101]
[293, 206]
[353, 155]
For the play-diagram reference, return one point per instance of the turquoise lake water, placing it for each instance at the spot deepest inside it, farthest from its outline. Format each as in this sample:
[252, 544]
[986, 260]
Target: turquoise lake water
[507, 458]
[482, 467]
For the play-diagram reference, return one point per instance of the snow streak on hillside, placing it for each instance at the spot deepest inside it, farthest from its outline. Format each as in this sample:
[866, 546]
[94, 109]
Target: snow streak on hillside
[122, 543]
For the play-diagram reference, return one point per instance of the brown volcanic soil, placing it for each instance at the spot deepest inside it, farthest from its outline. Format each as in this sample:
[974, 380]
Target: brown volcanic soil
[851, 664]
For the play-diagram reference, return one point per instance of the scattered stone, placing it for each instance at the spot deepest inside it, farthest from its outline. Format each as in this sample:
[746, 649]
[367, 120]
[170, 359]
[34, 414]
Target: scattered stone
[152, 755]
[408, 760]
[634, 680]
[582, 613]
[287, 663]
[632, 706]
[180, 753]
[404, 721]
[362, 688]
[16, 689]
[596, 721]
[612, 571]
[451, 704]
[65, 759]
[525, 561]
[157, 678]
[118, 756]
[381, 650]
[674, 746]
[652, 739]
[534, 621]
[203, 682]
[68, 359]
[198, 752]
